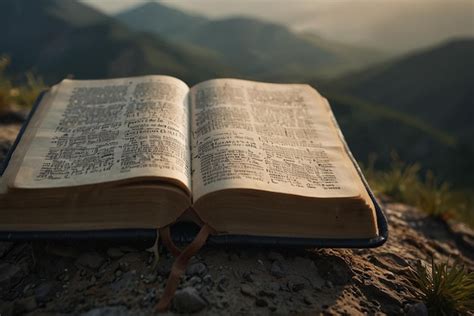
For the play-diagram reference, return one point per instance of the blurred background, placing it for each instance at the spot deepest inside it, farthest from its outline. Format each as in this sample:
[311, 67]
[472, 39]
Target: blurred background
[399, 74]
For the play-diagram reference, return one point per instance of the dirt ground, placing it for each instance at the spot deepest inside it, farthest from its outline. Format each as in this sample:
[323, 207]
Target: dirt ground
[110, 278]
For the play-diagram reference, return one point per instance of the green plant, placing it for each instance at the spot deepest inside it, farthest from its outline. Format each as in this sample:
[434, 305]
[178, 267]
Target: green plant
[446, 290]
[404, 183]
[18, 95]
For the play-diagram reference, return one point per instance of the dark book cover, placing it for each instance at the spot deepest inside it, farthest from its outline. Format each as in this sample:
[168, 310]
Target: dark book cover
[185, 232]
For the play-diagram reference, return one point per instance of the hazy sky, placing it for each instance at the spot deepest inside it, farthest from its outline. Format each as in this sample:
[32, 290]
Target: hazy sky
[394, 25]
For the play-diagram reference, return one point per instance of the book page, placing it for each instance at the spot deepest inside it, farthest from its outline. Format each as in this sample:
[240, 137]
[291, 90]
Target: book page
[271, 137]
[98, 131]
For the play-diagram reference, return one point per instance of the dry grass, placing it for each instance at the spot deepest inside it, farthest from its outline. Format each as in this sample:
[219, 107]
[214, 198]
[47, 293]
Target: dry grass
[405, 183]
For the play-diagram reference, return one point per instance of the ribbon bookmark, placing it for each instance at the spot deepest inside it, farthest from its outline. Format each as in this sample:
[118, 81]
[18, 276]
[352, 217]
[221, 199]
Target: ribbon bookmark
[181, 262]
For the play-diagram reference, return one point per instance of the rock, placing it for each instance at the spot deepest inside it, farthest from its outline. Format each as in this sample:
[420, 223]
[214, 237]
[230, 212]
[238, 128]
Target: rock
[115, 253]
[308, 300]
[195, 280]
[127, 249]
[207, 279]
[4, 248]
[198, 269]
[261, 302]
[274, 286]
[296, 283]
[247, 276]
[275, 256]
[91, 260]
[43, 291]
[276, 270]
[9, 274]
[223, 284]
[111, 311]
[188, 300]
[418, 309]
[247, 290]
[149, 298]
[25, 305]
[266, 293]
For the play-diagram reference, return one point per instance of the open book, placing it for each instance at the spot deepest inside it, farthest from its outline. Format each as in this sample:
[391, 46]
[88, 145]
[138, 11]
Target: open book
[250, 158]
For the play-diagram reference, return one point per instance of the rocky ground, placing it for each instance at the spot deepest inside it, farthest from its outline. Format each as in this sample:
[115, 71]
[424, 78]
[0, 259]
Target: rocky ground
[100, 278]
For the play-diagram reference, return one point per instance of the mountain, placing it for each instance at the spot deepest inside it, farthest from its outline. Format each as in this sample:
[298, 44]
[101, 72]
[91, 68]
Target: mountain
[435, 85]
[159, 19]
[420, 105]
[67, 37]
[258, 49]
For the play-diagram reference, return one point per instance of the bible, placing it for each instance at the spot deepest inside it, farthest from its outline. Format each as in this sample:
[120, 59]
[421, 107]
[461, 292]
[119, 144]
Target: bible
[250, 159]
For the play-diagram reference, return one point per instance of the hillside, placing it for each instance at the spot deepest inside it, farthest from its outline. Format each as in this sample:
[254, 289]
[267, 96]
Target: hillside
[419, 106]
[71, 38]
[435, 85]
[258, 49]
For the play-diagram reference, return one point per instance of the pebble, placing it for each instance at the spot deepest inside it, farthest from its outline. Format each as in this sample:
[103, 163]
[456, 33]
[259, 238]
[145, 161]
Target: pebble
[195, 280]
[417, 309]
[111, 311]
[276, 270]
[207, 279]
[296, 283]
[247, 290]
[43, 291]
[196, 269]
[247, 276]
[115, 253]
[188, 300]
[266, 293]
[92, 260]
[308, 300]
[223, 284]
[274, 286]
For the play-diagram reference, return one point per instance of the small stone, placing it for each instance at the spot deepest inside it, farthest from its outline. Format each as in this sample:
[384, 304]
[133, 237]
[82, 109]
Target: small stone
[5, 247]
[308, 300]
[111, 311]
[223, 284]
[196, 269]
[275, 256]
[195, 280]
[247, 290]
[329, 284]
[115, 253]
[266, 293]
[417, 309]
[274, 286]
[261, 302]
[91, 260]
[149, 278]
[276, 270]
[296, 283]
[247, 276]
[188, 300]
[118, 273]
[207, 279]
[43, 291]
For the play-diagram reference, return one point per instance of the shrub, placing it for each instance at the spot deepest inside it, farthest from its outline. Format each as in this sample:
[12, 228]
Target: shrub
[446, 290]
[22, 95]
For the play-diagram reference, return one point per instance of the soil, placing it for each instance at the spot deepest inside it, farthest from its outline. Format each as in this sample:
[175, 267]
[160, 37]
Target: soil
[106, 278]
